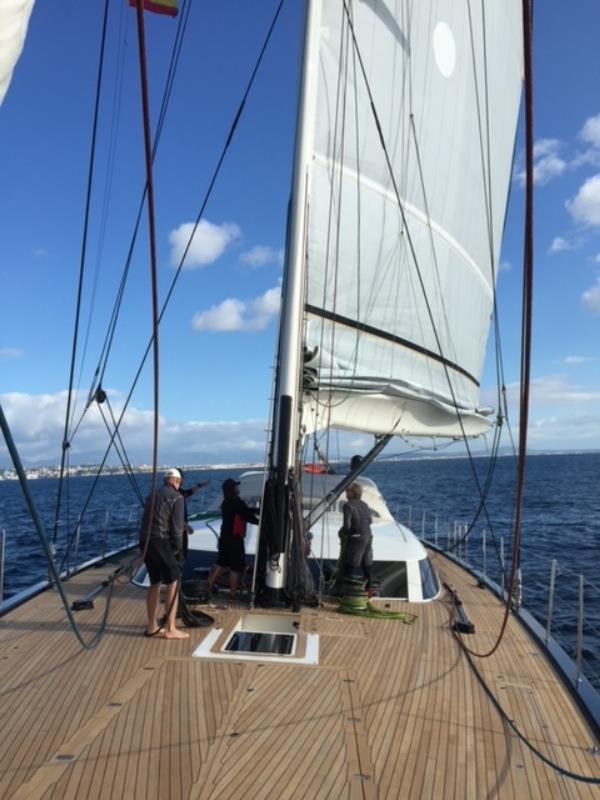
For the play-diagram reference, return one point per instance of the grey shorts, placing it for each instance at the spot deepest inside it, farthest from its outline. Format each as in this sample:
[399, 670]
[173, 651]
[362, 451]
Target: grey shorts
[359, 551]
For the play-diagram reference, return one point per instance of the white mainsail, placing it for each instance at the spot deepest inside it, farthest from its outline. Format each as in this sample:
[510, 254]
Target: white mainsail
[14, 19]
[402, 243]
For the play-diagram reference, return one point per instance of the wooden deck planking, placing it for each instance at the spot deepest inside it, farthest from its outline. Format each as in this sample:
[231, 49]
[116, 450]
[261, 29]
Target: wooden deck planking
[393, 710]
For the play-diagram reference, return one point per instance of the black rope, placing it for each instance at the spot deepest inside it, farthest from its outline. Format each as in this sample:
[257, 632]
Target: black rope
[510, 722]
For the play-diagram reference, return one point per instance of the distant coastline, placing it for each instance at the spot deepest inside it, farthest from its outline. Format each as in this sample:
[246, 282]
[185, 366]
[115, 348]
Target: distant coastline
[83, 470]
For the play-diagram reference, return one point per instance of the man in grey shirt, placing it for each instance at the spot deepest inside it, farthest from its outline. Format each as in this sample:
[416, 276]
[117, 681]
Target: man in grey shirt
[357, 538]
[161, 542]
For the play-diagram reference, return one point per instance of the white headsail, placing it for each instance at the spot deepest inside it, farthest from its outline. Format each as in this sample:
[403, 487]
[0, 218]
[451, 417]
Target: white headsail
[404, 227]
[14, 18]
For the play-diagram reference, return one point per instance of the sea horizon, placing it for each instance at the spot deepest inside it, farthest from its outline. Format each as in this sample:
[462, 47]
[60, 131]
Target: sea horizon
[86, 469]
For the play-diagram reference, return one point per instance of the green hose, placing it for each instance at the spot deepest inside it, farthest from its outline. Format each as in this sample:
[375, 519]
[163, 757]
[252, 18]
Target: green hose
[355, 601]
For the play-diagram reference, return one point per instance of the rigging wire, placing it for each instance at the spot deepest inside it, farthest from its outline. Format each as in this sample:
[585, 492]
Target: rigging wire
[206, 198]
[408, 235]
[483, 492]
[47, 547]
[435, 332]
[107, 194]
[526, 319]
[167, 91]
[99, 373]
[65, 442]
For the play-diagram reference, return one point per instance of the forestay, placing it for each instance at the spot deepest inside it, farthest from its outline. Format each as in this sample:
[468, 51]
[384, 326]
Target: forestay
[403, 241]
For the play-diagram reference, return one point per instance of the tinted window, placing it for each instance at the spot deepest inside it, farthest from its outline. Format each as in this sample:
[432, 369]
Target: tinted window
[389, 579]
[429, 579]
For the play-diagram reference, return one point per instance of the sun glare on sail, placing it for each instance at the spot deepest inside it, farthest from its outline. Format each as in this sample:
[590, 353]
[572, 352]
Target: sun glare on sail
[444, 49]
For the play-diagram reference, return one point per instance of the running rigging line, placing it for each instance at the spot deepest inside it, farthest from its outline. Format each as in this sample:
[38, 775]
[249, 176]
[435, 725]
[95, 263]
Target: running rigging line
[206, 198]
[414, 257]
[526, 319]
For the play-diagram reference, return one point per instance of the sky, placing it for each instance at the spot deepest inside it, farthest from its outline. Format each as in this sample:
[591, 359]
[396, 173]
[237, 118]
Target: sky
[218, 335]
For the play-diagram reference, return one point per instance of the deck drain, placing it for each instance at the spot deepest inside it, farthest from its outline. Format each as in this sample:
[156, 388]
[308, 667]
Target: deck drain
[64, 758]
[115, 705]
[361, 776]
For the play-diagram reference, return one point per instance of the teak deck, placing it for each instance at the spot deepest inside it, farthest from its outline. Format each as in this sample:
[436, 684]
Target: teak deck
[392, 710]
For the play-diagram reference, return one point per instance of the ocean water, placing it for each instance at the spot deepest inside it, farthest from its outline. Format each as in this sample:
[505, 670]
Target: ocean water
[561, 521]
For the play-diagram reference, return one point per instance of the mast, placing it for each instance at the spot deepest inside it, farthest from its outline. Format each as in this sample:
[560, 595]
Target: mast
[286, 416]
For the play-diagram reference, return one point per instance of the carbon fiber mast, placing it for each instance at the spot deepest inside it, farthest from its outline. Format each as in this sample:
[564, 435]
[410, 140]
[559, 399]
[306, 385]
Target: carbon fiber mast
[276, 518]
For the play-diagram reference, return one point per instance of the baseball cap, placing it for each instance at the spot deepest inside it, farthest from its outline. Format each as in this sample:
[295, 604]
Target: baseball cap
[172, 473]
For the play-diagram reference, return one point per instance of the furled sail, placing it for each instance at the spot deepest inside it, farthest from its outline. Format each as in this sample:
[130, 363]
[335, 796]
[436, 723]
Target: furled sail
[416, 107]
[14, 18]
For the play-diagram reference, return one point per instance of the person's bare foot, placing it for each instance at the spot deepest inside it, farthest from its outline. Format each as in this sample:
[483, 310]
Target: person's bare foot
[155, 633]
[175, 634]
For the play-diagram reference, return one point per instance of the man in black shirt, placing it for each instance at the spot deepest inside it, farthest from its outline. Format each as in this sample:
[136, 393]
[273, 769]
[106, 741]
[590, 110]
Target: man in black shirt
[161, 542]
[232, 555]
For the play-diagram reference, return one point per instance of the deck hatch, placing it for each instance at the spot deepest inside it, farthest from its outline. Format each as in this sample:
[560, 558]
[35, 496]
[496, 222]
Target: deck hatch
[280, 644]
[267, 637]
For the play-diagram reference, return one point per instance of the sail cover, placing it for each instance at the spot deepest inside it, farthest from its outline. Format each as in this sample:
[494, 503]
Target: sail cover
[416, 112]
[14, 18]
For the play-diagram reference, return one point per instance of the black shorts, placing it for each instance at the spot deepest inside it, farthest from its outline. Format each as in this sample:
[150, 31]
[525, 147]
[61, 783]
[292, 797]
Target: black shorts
[232, 554]
[161, 563]
[359, 551]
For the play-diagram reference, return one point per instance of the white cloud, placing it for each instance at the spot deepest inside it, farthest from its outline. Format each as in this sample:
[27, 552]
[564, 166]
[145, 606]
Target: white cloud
[591, 157]
[560, 245]
[547, 168]
[590, 133]
[591, 298]
[240, 315]
[554, 389]
[548, 164]
[585, 206]
[37, 422]
[11, 352]
[208, 244]
[262, 256]
[578, 359]
[569, 432]
[546, 147]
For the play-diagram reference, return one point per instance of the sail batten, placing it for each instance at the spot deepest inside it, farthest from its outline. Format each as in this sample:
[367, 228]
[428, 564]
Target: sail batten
[416, 112]
[379, 333]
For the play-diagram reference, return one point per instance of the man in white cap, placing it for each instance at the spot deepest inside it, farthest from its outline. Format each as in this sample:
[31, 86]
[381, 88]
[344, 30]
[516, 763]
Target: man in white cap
[163, 553]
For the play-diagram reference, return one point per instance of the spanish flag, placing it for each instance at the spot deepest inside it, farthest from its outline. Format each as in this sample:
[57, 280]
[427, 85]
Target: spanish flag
[168, 7]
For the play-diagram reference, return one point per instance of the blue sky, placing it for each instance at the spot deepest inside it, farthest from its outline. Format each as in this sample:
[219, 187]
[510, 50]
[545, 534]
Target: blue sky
[217, 341]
